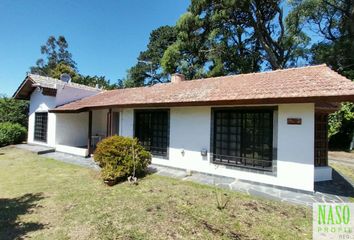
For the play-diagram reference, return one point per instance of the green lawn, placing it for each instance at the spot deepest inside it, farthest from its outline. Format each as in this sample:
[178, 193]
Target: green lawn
[46, 199]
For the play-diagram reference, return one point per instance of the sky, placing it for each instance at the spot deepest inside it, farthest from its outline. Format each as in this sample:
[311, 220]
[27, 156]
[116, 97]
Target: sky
[105, 37]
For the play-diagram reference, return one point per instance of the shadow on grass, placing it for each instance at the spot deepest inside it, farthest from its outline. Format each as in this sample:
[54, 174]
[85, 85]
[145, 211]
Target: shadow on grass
[338, 186]
[11, 209]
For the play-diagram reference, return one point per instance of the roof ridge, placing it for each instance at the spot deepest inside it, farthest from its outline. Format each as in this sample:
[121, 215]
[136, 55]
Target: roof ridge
[264, 72]
[227, 76]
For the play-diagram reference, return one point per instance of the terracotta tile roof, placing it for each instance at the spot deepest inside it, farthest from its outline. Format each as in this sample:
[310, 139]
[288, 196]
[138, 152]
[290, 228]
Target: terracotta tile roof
[53, 83]
[25, 89]
[305, 84]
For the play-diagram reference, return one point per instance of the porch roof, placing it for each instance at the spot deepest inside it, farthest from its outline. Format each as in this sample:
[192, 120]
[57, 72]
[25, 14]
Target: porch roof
[296, 85]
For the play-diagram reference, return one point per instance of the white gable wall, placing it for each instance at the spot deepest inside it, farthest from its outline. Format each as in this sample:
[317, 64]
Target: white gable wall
[190, 133]
[42, 103]
[68, 94]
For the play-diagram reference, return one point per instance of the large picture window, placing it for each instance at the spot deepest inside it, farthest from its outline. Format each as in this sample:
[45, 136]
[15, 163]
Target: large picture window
[40, 126]
[152, 130]
[243, 138]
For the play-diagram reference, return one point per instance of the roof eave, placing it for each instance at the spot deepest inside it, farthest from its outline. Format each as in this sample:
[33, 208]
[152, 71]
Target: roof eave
[315, 99]
[17, 95]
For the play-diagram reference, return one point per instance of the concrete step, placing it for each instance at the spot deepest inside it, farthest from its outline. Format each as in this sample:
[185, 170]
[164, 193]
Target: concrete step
[36, 148]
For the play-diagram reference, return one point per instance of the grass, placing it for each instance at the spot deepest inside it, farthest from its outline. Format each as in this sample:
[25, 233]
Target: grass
[42, 198]
[346, 170]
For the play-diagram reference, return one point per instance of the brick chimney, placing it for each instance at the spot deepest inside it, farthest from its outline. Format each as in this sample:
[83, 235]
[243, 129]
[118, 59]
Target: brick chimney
[177, 78]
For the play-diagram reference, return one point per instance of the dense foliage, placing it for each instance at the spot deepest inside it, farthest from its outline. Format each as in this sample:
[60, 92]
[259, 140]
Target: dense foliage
[11, 133]
[148, 70]
[120, 157]
[14, 111]
[333, 20]
[341, 127]
[229, 37]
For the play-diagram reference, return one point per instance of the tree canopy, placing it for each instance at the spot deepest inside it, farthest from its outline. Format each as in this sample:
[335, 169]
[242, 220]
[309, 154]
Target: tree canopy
[148, 68]
[13, 111]
[222, 37]
[229, 37]
[58, 60]
[333, 21]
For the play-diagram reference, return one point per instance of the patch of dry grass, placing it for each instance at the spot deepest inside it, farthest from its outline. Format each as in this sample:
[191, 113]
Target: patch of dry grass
[344, 169]
[64, 201]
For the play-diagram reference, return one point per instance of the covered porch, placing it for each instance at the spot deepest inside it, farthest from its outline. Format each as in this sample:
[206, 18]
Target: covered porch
[78, 133]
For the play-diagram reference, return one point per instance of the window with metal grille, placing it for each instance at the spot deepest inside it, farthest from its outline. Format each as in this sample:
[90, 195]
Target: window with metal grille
[243, 138]
[40, 126]
[152, 130]
[321, 139]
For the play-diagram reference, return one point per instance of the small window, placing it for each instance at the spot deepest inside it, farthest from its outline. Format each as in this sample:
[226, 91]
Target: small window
[152, 130]
[40, 127]
[243, 138]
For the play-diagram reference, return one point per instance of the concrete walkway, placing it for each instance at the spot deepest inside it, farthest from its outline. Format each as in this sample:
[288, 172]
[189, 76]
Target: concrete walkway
[336, 191]
[77, 160]
[259, 190]
[36, 148]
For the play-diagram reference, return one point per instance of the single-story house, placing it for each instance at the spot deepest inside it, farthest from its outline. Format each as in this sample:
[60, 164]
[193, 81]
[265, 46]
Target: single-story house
[268, 127]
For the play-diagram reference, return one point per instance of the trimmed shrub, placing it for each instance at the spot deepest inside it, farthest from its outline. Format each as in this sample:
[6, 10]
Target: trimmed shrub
[11, 133]
[115, 156]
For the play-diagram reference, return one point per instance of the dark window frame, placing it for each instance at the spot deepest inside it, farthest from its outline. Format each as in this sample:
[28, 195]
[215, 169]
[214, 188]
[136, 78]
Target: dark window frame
[164, 155]
[321, 140]
[40, 132]
[247, 163]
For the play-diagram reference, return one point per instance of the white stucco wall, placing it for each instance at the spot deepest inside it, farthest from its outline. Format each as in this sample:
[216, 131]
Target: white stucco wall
[190, 131]
[66, 94]
[99, 122]
[72, 129]
[296, 146]
[42, 103]
[127, 122]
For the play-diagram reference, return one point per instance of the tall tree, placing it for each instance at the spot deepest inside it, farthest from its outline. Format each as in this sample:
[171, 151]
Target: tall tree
[56, 52]
[58, 60]
[333, 22]
[148, 68]
[229, 37]
[188, 54]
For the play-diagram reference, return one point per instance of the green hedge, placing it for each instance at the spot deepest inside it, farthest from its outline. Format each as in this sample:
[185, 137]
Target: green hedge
[115, 156]
[11, 133]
